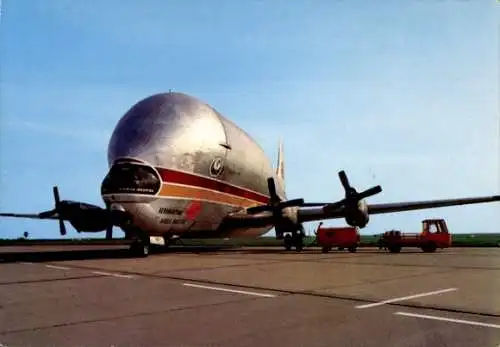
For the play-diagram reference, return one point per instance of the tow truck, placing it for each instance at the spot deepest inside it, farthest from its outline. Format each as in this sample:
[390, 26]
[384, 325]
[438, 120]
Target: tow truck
[428, 241]
[341, 237]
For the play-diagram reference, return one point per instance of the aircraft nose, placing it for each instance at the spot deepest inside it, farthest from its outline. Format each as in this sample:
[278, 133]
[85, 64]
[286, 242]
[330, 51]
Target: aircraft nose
[130, 177]
[147, 127]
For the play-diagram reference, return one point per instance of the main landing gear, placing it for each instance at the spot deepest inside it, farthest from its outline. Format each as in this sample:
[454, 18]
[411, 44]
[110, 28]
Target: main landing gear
[296, 240]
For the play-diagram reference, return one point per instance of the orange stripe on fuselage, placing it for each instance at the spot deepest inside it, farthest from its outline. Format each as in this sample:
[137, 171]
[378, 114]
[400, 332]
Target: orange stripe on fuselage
[200, 181]
[190, 192]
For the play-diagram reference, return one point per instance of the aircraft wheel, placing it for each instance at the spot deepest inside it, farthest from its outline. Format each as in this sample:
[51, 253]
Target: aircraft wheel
[288, 242]
[139, 249]
[299, 242]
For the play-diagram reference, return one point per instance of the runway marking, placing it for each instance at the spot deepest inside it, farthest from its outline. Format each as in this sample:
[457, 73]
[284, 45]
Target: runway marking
[58, 267]
[229, 290]
[453, 320]
[26, 263]
[406, 298]
[111, 274]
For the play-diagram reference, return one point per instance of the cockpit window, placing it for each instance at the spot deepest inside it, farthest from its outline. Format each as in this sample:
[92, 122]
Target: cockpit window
[131, 178]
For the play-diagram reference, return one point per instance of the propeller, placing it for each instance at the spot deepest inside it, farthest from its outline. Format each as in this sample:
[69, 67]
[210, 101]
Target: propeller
[352, 197]
[84, 216]
[59, 208]
[275, 204]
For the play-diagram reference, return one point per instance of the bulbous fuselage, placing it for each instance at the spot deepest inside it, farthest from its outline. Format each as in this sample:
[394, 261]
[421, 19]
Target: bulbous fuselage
[178, 166]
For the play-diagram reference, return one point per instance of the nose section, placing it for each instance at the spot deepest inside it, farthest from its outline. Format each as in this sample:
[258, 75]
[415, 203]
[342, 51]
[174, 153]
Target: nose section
[149, 126]
[130, 177]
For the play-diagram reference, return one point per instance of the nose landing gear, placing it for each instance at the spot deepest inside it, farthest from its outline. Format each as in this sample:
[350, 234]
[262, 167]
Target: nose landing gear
[139, 248]
[140, 245]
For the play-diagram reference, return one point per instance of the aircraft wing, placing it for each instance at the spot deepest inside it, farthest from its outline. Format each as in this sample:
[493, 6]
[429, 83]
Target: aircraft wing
[30, 215]
[352, 207]
[307, 214]
[320, 213]
[418, 205]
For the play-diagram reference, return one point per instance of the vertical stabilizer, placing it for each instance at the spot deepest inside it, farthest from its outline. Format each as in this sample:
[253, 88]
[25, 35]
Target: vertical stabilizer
[280, 167]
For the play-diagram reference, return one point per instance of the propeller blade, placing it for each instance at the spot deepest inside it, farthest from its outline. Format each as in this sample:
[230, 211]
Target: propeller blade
[56, 196]
[272, 189]
[344, 180]
[369, 192]
[279, 206]
[290, 203]
[62, 227]
[275, 204]
[258, 209]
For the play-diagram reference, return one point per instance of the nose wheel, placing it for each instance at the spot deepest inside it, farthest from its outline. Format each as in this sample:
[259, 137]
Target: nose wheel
[139, 248]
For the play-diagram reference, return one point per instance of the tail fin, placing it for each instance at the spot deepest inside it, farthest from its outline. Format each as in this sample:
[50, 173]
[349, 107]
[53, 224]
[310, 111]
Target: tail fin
[280, 167]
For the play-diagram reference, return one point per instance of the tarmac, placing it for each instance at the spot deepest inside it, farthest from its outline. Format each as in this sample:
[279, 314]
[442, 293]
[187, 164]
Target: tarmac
[60, 296]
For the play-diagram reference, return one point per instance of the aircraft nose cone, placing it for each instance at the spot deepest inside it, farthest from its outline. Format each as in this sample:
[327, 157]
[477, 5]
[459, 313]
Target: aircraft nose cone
[137, 130]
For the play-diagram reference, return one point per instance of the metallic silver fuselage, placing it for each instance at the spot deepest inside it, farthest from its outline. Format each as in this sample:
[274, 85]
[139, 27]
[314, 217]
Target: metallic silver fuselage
[177, 132]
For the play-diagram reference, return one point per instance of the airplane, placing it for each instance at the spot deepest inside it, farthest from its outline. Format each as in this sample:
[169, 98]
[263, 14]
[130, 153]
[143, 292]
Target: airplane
[178, 169]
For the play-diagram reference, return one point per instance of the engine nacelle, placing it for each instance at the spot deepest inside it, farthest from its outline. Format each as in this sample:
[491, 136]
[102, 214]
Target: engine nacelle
[359, 216]
[82, 224]
[90, 218]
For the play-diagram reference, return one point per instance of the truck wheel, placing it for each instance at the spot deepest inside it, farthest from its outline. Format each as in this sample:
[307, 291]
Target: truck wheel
[340, 248]
[429, 248]
[325, 249]
[394, 249]
[352, 249]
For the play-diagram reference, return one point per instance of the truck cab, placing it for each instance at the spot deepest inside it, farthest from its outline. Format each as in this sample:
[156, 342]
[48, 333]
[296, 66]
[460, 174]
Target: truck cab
[434, 235]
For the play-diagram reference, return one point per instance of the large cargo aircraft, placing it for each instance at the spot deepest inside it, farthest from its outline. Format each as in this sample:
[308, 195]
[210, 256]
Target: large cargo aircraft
[179, 169]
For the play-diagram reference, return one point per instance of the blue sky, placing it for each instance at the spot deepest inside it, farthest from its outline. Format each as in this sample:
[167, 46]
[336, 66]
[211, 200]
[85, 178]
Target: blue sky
[402, 94]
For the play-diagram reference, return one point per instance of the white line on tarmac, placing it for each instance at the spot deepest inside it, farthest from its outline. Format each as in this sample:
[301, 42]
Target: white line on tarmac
[57, 267]
[229, 290]
[26, 263]
[453, 320]
[112, 274]
[406, 298]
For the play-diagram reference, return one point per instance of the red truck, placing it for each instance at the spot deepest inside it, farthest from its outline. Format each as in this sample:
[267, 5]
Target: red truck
[427, 240]
[341, 237]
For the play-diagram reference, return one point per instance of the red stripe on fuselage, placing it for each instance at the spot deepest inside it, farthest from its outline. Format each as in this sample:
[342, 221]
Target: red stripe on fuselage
[179, 177]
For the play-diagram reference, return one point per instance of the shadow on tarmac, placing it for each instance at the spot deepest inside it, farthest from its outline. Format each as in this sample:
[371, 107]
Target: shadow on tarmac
[40, 255]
